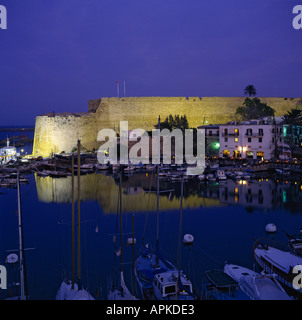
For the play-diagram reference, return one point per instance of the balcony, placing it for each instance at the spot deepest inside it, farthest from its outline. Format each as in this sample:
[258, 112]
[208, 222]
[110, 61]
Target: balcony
[230, 134]
[254, 134]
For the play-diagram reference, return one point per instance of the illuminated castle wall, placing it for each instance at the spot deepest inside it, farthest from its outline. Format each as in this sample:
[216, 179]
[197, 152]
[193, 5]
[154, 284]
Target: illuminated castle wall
[55, 133]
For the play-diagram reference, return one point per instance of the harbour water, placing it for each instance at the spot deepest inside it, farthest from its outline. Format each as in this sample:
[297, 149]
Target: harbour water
[224, 217]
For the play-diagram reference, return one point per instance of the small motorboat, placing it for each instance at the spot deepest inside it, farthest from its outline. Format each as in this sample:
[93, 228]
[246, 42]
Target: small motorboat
[221, 286]
[201, 177]
[210, 177]
[220, 175]
[257, 286]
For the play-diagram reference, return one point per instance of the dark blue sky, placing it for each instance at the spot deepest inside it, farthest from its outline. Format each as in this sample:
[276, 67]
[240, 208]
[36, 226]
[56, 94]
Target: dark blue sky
[57, 54]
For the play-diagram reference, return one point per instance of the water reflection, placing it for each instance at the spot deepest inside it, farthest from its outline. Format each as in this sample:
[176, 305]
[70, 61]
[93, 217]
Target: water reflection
[140, 193]
[262, 194]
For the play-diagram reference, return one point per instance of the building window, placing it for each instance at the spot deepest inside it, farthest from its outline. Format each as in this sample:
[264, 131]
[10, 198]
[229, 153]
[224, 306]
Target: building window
[260, 139]
[226, 153]
[225, 139]
[260, 132]
[273, 139]
[250, 154]
[260, 155]
[236, 139]
[249, 139]
[236, 154]
[226, 132]
[249, 132]
[237, 132]
[210, 132]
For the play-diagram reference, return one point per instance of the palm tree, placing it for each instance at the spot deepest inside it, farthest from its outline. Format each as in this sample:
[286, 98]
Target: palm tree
[293, 117]
[250, 90]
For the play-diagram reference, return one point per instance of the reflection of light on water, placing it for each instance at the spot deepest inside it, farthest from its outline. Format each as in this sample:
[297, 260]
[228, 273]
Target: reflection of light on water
[260, 193]
[104, 189]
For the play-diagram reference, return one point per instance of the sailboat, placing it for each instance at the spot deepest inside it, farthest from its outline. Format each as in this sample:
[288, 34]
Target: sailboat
[149, 264]
[69, 289]
[13, 258]
[157, 278]
[174, 284]
[120, 292]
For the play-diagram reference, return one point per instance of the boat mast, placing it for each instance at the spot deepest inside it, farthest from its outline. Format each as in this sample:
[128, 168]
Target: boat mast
[121, 232]
[157, 193]
[133, 252]
[121, 222]
[23, 280]
[180, 232]
[72, 221]
[79, 217]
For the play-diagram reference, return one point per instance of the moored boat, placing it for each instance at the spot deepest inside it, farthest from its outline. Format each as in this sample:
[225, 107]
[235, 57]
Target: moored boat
[220, 175]
[295, 244]
[172, 285]
[274, 260]
[256, 286]
[221, 286]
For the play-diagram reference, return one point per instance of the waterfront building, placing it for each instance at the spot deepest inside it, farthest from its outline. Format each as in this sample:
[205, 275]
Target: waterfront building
[8, 153]
[211, 139]
[255, 139]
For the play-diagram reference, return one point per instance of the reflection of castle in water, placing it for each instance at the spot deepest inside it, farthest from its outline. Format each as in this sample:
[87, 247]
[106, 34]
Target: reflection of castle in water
[253, 194]
[104, 189]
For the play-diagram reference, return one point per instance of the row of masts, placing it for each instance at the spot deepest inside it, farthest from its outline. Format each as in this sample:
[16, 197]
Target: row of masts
[23, 280]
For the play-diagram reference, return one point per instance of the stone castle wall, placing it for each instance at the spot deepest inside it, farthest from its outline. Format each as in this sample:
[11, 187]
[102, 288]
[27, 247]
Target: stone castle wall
[60, 132]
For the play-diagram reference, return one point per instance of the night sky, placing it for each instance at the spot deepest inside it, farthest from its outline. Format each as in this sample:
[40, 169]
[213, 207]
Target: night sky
[57, 54]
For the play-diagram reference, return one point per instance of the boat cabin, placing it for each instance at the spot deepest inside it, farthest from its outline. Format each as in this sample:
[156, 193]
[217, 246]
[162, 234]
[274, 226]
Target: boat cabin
[220, 174]
[165, 285]
[296, 246]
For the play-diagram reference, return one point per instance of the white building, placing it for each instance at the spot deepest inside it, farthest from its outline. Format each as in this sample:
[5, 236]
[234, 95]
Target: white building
[7, 153]
[255, 139]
